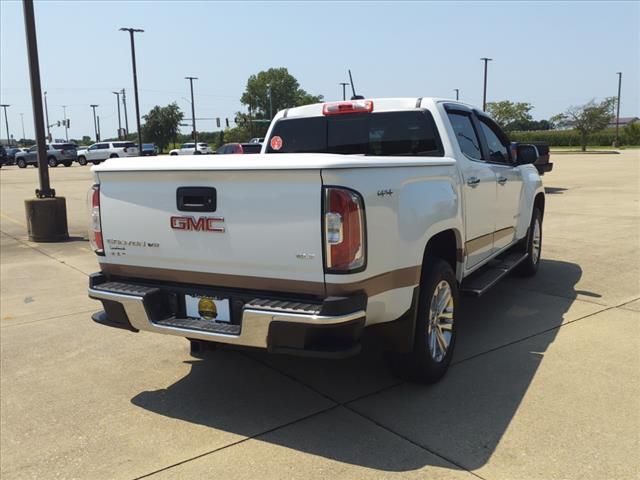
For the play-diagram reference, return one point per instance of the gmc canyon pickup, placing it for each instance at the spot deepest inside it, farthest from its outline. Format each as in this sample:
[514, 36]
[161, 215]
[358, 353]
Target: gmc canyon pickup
[370, 213]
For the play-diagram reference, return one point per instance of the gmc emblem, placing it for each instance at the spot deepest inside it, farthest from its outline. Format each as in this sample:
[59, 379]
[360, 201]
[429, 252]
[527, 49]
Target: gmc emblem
[202, 224]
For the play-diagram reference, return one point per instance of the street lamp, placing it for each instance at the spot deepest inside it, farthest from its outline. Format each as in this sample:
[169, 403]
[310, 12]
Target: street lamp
[117, 94]
[4, 105]
[95, 123]
[126, 117]
[618, 108]
[135, 80]
[484, 95]
[193, 114]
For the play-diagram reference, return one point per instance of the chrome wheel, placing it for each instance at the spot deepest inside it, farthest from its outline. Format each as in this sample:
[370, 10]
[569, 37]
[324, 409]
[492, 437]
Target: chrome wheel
[440, 327]
[536, 241]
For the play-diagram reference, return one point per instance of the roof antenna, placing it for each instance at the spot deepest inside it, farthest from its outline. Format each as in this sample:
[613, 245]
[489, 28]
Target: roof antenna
[353, 89]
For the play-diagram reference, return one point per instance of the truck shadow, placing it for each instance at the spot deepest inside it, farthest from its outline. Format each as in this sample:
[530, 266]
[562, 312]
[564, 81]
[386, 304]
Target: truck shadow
[503, 337]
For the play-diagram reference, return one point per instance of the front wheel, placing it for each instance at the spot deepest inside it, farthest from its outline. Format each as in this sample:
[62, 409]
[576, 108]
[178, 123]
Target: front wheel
[173, 153]
[22, 163]
[53, 162]
[82, 160]
[113, 155]
[435, 330]
[533, 246]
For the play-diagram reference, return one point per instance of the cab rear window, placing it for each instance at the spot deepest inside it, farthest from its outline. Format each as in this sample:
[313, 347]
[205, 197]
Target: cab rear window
[408, 133]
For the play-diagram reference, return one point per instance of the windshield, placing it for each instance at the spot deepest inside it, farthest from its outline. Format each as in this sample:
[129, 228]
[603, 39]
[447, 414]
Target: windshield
[407, 133]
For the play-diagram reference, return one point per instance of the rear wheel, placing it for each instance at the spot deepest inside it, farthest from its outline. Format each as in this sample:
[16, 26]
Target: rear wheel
[173, 153]
[113, 155]
[533, 246]
[82, 160]
[96, 162]
[53, 162]
[435, 330]
[22, 163]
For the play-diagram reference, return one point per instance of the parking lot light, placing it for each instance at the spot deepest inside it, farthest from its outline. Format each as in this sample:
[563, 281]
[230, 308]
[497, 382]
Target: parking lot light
[135, 79]
[484, 94]
[117, 94]
[4, 106]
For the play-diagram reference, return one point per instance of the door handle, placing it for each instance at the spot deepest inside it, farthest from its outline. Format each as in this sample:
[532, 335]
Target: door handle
[473, 181]
[502, 180]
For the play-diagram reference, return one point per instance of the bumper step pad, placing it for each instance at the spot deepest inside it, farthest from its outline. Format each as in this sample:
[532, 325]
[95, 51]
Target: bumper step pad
[202, 325]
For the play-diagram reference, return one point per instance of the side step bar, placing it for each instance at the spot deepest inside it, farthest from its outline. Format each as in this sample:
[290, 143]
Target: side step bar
[481, 281]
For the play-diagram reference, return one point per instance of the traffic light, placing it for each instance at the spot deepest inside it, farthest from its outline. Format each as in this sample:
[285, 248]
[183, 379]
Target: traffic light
[68, 123]
[227, 122]
[218, 122]
[58, 122]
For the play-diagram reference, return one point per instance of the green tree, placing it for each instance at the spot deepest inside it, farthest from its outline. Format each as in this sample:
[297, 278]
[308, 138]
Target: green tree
[273, 90]
[161, 124]
[631, 134]
[587, 119]
[506, 113]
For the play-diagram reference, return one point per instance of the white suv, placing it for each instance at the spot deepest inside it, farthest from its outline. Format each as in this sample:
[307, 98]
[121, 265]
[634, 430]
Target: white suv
[99, 152]
[190, 149]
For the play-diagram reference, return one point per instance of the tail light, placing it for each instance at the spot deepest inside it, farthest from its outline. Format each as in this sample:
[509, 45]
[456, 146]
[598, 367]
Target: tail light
[354, 106]
[344, 231]
[95, 224]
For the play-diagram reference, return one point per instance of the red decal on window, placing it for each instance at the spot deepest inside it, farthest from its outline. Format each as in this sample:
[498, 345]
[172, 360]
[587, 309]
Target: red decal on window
[276, 142]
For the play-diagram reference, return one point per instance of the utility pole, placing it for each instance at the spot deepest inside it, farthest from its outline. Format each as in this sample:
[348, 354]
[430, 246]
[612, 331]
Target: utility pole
[95, 123]
[135, 80]
[22, 122]
[117, 94]
[126, 117]
[193, 114]
[617, 143]
[457, 90]
[344, 90]
[46, 214]
[46, 111]
[66, 129]
[484, 95]
[4, 105]
[98, 117]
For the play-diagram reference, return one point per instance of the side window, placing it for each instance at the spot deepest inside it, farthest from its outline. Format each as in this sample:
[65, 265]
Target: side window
[93, 147]
[466, 135]
[103, 146]
[496, 141]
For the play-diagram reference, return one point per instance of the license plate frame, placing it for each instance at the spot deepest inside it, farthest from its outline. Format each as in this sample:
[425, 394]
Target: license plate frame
[200, 307]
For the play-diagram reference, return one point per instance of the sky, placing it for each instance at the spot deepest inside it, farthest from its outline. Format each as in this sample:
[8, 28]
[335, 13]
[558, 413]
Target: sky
[550, 54]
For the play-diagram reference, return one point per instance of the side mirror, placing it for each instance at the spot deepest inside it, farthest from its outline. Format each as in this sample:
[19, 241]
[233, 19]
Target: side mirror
[526, 154]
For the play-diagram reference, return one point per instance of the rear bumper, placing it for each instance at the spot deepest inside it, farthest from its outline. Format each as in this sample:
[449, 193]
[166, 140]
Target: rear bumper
[329, 328]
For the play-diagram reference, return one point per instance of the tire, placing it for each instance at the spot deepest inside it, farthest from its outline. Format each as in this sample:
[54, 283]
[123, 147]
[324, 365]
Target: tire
[173, 153]
[197, 152]
[113, 155]
[96, 162]
[67, 164]
[22, 163]
[82, 160]
[52, 161]
[532, 244]
[430, 358]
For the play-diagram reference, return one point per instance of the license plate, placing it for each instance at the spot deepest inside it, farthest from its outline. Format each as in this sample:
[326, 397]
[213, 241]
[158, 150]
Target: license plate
[207, 308]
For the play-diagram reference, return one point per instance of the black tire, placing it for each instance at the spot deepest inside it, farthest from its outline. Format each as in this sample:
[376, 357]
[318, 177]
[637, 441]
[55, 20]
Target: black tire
[113, 155]
[67, 164]
[52, 161]
[82, 160]
[532, 244]
[22, 163]
[173, 153]
[96, 162]
[427, 363]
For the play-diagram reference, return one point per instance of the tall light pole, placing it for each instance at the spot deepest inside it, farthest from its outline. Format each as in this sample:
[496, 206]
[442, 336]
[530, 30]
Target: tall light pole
[484, 94]
[344, 90]
[457, 90]
[46, 112]
[95, 123]
[117, 94]
[193, 114]
[4, 105]
[66, 128]
[126, 117]
[135, 80]
[618, 108]
[22, 122]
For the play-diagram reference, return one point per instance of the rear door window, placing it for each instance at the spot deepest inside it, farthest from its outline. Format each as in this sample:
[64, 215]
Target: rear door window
[407, 133]
[496, 141]
[466, 134]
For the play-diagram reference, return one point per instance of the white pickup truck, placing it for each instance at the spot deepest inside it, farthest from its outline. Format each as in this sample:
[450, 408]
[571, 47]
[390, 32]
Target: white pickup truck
[361, 214]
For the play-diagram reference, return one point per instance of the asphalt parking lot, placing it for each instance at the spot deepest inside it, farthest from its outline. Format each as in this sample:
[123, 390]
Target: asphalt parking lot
[545, 383]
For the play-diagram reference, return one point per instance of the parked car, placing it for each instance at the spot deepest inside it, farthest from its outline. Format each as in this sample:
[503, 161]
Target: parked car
[257, 140]
[543, 164]
[57, 153]
[11, 154]
[190, 149]
[380, 214]
[245, 148]
[99, 152]
[4, 158]
[149, 149]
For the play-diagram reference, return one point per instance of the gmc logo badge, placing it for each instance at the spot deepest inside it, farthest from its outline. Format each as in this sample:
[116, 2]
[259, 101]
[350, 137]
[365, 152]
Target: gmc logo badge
[202, 224]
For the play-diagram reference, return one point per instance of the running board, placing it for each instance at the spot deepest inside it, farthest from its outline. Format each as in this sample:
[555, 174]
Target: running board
[481, 281]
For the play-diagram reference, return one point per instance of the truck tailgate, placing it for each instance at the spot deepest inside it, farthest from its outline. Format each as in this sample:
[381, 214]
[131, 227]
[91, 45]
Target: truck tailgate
[266, 226]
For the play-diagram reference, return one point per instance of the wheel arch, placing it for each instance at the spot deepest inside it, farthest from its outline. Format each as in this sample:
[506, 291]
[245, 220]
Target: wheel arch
[446, 245]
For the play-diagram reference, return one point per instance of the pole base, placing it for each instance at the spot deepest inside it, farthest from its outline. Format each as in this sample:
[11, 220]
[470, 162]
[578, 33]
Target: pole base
[47, 219]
